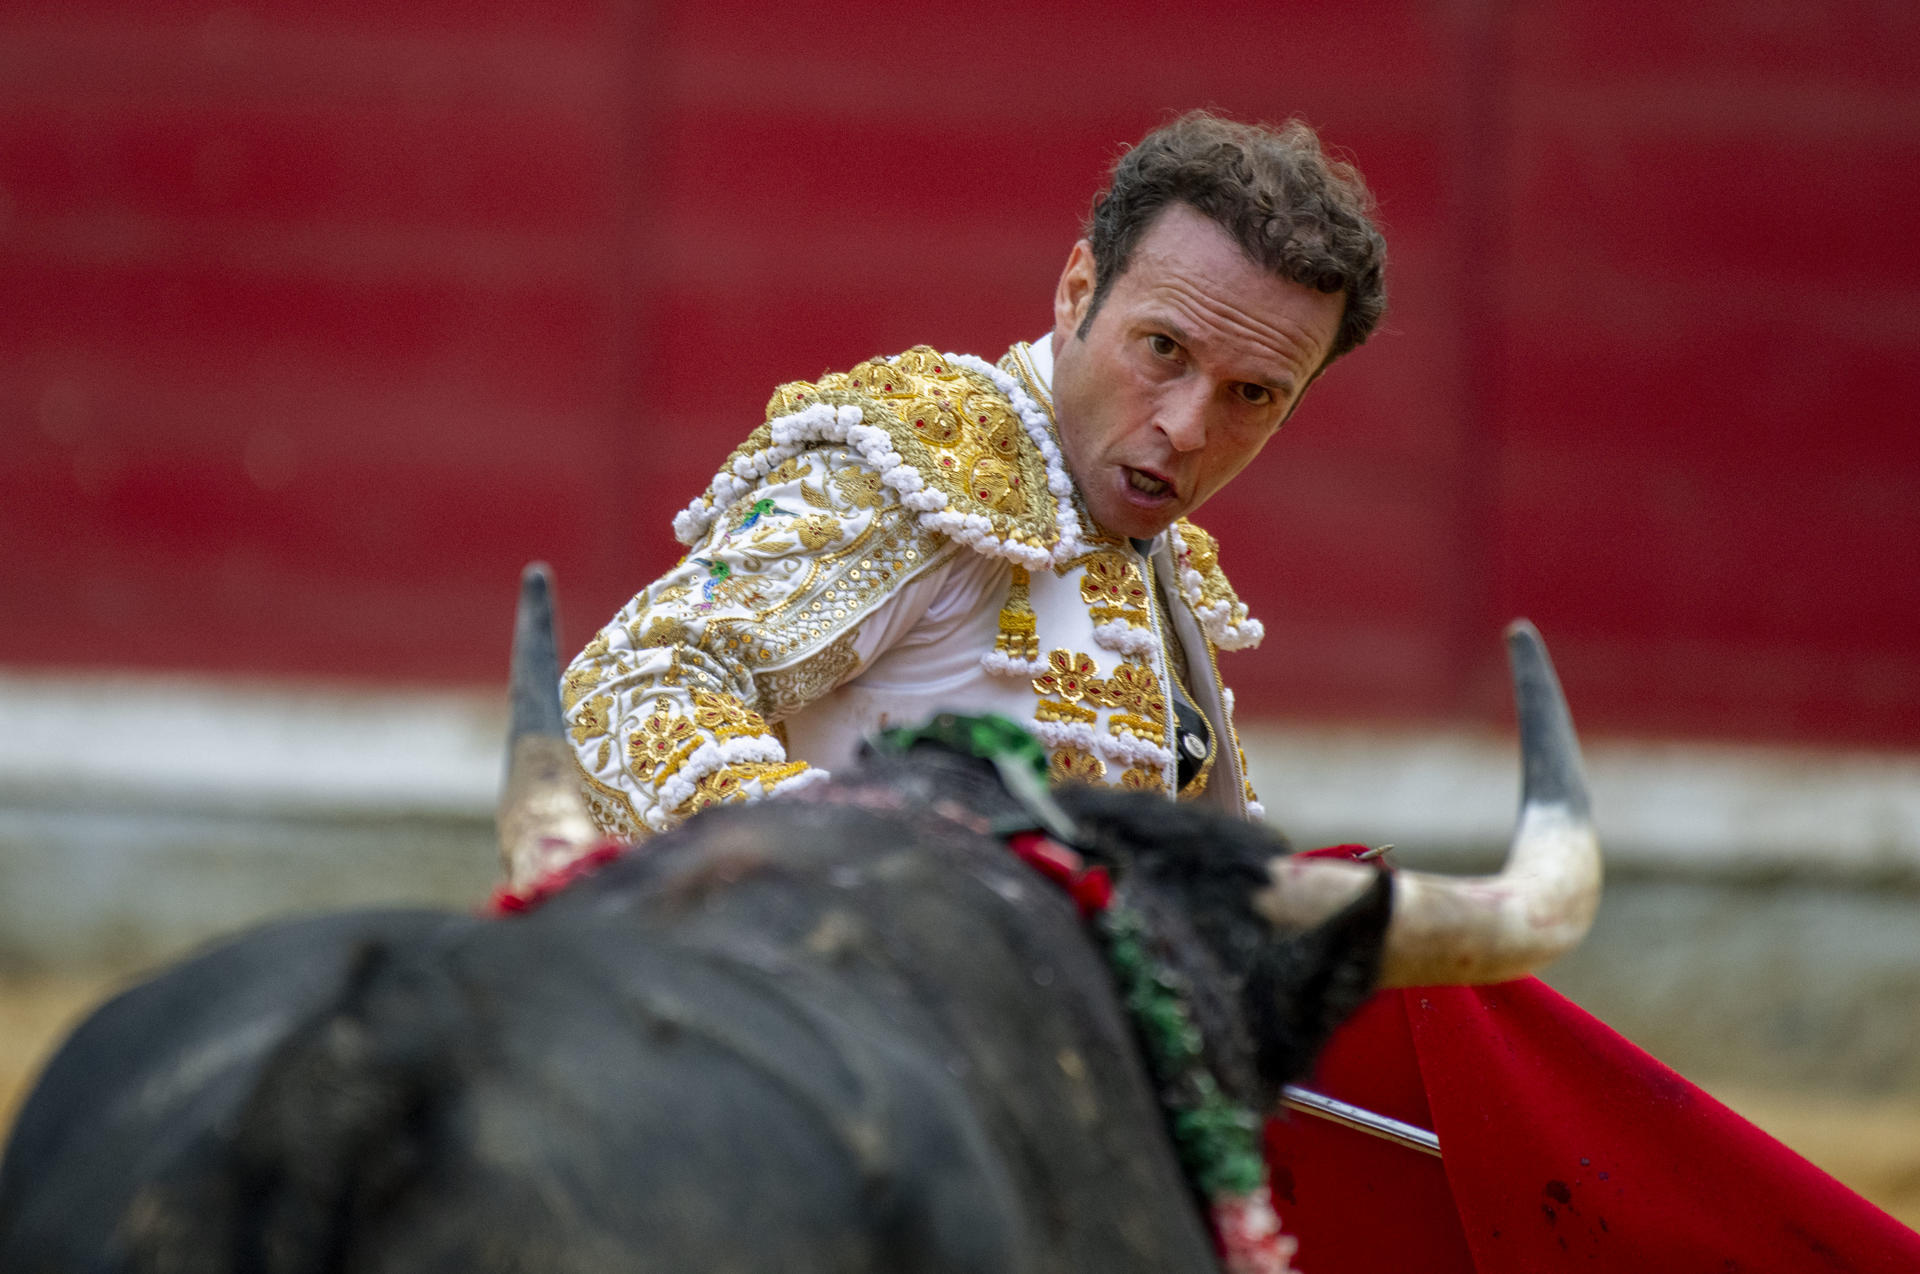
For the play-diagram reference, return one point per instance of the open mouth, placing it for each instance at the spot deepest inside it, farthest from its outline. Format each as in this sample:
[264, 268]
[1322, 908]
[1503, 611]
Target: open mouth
[1147, 484]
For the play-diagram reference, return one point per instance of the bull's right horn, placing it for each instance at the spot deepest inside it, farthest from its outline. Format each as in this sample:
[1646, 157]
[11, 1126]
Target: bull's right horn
[1464, 931]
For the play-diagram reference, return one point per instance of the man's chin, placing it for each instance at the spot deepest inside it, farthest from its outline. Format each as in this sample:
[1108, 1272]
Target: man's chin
[1132, 522]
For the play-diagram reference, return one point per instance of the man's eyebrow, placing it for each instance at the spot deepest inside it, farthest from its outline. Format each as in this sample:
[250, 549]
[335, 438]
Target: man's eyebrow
[1171, 328]
[1283, 386]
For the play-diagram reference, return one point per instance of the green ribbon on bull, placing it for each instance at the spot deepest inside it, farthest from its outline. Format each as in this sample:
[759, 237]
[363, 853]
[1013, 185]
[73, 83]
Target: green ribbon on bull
[1015, 754]
[1218, 1139]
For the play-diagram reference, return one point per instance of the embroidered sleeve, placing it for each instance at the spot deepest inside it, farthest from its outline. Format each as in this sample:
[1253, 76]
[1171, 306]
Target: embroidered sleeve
[674, 705]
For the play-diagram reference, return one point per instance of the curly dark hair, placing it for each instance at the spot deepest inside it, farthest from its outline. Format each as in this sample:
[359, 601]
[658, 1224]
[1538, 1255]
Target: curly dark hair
[1301, 214]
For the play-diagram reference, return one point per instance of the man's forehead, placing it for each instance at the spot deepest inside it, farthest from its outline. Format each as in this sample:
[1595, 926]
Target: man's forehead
[1182, 240]
[1274, 330]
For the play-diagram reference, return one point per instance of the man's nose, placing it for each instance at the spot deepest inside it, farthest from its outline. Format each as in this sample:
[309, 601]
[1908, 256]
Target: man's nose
[1183, 419]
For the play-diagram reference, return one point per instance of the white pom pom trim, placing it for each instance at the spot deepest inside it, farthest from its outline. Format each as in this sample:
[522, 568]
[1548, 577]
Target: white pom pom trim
[1121, 749]
[1002, 664]
[711, 756]
[1124, 638]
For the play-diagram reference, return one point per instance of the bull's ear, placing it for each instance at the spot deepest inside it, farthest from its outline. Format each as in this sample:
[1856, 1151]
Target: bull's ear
[1303, 987]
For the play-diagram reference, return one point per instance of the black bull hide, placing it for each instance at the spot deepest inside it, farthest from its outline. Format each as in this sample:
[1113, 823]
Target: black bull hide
[847, 1032]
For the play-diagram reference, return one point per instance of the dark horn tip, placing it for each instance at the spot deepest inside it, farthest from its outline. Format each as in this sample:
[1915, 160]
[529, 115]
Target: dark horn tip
[536, 661]
[1549, 749]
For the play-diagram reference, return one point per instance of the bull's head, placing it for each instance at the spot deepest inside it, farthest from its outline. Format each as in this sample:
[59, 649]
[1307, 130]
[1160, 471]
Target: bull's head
[1445, 930]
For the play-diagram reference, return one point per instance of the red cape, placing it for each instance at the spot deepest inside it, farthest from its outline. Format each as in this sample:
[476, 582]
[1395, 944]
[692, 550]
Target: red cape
[1566, 1148]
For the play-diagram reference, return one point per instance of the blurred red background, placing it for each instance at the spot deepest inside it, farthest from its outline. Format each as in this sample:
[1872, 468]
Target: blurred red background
[318, 319]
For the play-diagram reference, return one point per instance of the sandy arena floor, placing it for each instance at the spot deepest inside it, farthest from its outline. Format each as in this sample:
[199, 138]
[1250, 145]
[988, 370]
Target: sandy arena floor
[1873, 1145]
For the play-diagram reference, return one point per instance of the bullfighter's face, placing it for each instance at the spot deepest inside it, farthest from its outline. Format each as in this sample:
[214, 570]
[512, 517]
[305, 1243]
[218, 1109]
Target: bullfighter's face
[1193, 359]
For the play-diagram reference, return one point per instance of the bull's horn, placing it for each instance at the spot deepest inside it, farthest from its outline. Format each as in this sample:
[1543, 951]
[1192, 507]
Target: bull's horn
[543, 819]
[1463, 931]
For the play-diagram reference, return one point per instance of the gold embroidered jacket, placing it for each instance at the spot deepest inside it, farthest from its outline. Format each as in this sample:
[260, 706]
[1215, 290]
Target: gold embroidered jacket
[895, 540]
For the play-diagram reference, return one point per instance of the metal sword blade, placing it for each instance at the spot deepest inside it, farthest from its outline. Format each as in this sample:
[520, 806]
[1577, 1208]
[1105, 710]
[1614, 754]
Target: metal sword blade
[1360, 1119]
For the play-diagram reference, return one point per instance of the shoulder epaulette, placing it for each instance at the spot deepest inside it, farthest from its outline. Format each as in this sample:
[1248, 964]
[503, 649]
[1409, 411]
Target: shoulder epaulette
[958, 439]
[1204, 586]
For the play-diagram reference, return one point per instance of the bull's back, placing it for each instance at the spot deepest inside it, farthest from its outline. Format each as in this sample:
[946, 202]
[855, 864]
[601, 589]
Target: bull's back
[826, 1039]
[142, 1083]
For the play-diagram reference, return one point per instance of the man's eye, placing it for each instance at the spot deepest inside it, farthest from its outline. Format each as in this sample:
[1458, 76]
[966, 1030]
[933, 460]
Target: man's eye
[1163, 345]
[1256, 395]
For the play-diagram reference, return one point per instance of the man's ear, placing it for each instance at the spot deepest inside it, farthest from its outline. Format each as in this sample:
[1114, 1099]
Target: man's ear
[1073, 295]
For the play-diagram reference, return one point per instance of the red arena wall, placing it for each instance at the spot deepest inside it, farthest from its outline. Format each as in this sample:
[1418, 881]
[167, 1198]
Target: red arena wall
[320, 319]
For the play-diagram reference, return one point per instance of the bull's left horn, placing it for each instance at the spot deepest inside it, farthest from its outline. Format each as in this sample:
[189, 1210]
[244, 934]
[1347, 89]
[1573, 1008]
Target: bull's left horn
[1464, 931]
[543, 820]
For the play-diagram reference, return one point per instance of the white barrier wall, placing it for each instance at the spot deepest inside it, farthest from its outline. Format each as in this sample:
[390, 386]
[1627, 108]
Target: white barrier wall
[1760, 917]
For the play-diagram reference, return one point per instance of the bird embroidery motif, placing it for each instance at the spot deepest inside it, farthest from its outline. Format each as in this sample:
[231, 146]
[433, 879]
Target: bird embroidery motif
[761, 508]
[717, 574]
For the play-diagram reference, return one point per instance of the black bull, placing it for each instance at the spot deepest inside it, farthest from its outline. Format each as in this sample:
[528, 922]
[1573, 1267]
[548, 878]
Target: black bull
[843, 1033]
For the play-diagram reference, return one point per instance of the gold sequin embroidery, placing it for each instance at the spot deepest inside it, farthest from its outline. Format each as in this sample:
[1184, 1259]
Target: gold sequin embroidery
[591, 720]
[1203, 551]
[584, 675]
[1112, 589]
[611, 809]
[726, 717]
[784, 691]
[1071, 676]
[817, 531]
[860, 488]
[662, 631]
[1075, 765]
[1134, 692]
[663, 742]
[729, 783]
